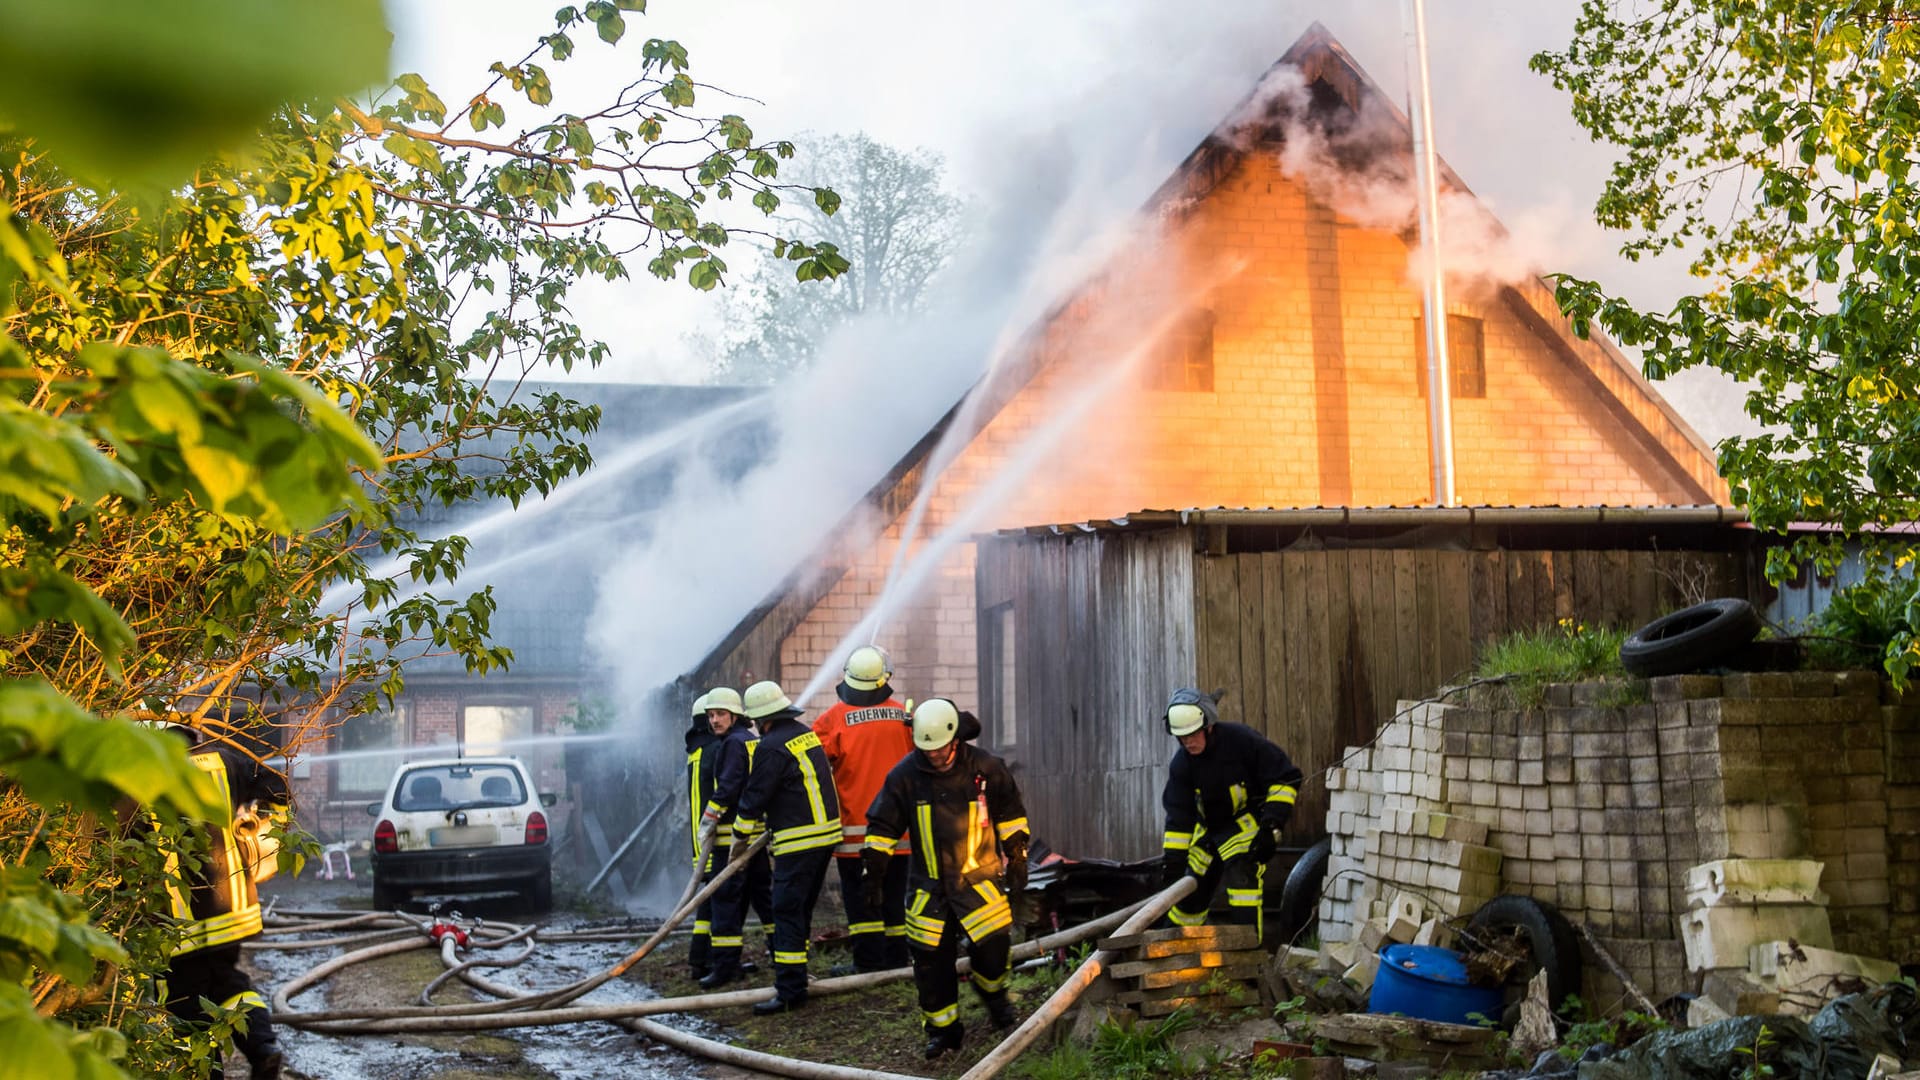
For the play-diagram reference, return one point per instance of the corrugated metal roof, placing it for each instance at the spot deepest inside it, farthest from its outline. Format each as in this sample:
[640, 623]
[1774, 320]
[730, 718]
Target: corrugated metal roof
[1336, 516]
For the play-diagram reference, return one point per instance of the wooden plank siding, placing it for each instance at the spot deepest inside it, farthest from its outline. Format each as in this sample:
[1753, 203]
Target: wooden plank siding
[1103, 626]
[1314, 648]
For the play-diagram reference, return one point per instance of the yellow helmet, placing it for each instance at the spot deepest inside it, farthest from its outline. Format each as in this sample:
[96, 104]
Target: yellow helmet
[934, 723]
[763, 699]
[700, 704]
[868, 668]
[724, 697]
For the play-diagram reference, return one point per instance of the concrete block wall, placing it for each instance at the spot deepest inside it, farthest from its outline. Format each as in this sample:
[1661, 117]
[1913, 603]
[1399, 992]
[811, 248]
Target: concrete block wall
[1600, 808]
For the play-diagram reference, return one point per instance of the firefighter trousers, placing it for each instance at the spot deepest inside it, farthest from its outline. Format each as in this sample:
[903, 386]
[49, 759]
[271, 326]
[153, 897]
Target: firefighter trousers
[214, 973]
[752, 887]
[700, 949]
[878, 938]
[1245, 880]
[797, 877]
[938, 985]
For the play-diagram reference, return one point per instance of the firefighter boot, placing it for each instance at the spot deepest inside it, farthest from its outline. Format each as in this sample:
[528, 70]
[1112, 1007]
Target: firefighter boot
[999, 1010]
[725, 970]
[944, 1039]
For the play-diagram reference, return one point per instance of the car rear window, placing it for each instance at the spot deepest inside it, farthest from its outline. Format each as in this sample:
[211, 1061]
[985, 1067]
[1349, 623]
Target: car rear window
[455, 787]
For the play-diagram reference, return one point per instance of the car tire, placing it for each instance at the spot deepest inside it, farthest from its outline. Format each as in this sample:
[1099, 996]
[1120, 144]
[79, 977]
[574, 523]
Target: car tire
[1701, 636]
[1300, 895]
[1550, 940]
[385, 897]
[540, 891]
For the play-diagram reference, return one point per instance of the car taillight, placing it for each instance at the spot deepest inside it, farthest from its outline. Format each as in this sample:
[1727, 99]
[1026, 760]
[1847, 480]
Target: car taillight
[385, 840]
[536, 828]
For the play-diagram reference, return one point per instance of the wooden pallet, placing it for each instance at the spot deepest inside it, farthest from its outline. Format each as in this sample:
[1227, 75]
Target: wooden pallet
[1201, 967]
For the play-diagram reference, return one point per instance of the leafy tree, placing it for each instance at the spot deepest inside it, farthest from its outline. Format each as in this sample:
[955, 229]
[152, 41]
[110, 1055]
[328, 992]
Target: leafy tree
[898, 226]
[1772, 143]
[244, 327]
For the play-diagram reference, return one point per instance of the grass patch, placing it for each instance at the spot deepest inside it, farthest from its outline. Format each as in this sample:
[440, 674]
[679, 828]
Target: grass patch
[1566, 652]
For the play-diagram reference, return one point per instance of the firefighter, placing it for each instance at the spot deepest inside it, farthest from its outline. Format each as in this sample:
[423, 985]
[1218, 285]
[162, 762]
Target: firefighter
[1228, 796]
[790, 794]
[865, 734]
[733, 753]
[219, 906]
[702, 759]
[961, 812]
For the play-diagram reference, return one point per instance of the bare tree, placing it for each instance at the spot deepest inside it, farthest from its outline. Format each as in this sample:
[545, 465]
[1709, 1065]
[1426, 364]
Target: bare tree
[897, 225]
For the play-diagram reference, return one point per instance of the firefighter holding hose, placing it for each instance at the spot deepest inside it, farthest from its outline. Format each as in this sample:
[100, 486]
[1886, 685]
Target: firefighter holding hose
[790, 795]
[731, 755]
[1229, 794]
[960, 811]
[865, 734]
[703, 760]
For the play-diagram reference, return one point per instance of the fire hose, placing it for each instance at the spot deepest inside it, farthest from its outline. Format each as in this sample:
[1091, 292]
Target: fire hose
[515, 1008]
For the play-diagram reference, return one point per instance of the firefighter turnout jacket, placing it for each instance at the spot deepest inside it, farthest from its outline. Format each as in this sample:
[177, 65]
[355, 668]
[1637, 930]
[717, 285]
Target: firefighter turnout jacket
[789, 791]
[955, 822]
[1217, 800]
[863, 743]
[732, 756]
[703, 768]
[220, 903]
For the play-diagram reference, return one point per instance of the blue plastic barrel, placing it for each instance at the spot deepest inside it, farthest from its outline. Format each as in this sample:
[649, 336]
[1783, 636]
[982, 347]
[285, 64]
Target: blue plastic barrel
[1427, 982]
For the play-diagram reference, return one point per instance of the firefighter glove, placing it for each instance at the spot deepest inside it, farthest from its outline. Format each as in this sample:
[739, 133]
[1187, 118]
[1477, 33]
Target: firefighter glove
[873, 878]
[1173, 867]
[1266, 844]
[1016, 858]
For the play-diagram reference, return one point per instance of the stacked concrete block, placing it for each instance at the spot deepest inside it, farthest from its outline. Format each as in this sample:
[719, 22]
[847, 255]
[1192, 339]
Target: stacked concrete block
[1603, 809]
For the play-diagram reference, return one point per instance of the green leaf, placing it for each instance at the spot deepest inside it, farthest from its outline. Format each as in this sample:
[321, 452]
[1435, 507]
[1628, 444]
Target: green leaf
[323, 413]
[139, 94]
[827, 200]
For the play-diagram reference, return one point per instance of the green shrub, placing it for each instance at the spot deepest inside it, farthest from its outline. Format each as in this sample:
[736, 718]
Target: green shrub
[1856, 627]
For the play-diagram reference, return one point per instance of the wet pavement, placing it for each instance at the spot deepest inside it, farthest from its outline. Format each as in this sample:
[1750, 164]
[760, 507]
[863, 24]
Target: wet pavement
[572, 1052]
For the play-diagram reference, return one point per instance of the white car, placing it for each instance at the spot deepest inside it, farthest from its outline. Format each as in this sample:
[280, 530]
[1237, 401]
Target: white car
[461, 825]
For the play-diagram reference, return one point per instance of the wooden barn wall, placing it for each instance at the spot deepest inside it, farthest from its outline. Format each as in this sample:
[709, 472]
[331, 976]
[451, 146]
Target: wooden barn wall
[1315, 647]
[1102, 625]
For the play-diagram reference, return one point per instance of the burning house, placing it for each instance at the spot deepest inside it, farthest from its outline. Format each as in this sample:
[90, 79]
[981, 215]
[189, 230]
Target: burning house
[1263, 352]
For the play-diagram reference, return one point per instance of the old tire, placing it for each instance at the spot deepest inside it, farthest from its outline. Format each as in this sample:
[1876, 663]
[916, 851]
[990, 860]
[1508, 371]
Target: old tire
[385, 897]
[540, 892]
[1548, 937]
[1300, 896]
[1701, 636]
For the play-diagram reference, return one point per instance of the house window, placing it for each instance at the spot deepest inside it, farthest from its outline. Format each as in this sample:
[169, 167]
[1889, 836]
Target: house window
[1466, 355]
[1183, 359]
[489, 730]
[998, 699]
[363, 770]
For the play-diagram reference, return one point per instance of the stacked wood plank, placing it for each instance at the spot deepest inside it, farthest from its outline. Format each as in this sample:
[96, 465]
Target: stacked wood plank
[1202, 967]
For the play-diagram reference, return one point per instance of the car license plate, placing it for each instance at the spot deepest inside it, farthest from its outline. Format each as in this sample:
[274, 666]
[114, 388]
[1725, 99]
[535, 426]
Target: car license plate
[463, 836]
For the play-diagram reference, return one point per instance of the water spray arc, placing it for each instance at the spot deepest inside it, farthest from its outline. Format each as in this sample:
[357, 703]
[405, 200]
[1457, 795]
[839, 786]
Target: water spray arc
[617, 465]
[1023, 459]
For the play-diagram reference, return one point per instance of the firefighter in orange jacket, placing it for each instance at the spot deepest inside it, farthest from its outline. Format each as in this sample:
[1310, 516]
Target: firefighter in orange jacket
[961, 810]
[865, 734]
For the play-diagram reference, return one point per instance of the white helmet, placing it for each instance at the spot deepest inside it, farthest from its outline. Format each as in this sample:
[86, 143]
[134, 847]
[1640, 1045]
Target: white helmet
[724, 697]
[934, 723]
[700, 704]
[868, 668]
[1190, 710]
[763, 699]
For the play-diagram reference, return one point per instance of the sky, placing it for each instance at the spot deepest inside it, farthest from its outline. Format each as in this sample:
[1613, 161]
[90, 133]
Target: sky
[1007, 92]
